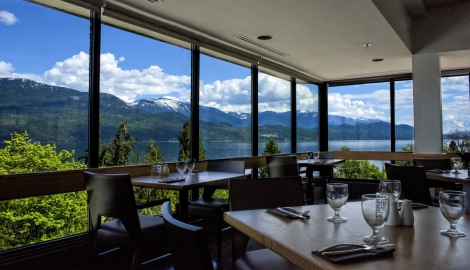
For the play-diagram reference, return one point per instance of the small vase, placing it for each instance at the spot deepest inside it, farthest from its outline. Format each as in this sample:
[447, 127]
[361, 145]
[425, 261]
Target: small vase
[394, 216]
[406, 214]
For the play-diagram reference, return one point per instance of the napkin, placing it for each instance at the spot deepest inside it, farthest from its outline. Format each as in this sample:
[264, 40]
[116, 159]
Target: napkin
[171, 180]
[439, 171]
[357, 256]
[285, 215]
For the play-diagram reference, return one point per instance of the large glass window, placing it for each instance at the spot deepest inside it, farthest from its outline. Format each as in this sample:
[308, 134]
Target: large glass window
[224, 109]
[145, 98]
[456, 113]
[307, 117]
[43, 116]
[404, 119]
[274, 114]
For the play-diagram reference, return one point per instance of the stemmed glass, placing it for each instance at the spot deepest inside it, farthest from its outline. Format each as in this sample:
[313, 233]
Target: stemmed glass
[191, 165]
[337, 195]
[455, 162]
[181, 166]
[375, 209]
[453, 205]
[392, 188]
[316, 155]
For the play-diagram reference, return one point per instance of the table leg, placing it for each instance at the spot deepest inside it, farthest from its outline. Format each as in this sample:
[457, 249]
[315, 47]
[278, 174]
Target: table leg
[466, 188]
[328, 171]
[310, 194]
[183, 204]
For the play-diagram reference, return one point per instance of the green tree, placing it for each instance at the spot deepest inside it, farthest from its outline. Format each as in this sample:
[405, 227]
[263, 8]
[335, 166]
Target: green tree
[117, 153]
[185, 144]
[154, 154]
[32, 220]
[357, 169]
[270, 148]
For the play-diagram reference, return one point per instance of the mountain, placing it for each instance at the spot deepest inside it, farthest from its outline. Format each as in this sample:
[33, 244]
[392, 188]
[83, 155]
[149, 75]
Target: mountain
[60, 115]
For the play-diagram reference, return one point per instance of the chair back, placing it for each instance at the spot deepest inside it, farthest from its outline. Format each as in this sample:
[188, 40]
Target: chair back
[282, 166]
[327, 155]
[259, 193]
[111, 195]
[188, 244]
[224, 165]
[413, 182]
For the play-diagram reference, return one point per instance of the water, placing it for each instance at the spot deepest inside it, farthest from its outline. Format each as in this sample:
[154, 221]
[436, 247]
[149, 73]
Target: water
[215, 150]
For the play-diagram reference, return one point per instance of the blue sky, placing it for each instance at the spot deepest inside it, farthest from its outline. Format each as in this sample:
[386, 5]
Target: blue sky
[52, 47]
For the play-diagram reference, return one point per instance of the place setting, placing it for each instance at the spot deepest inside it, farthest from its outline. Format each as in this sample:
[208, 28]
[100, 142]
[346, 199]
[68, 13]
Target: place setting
[289, 213]
[181, 166]
[375, 210]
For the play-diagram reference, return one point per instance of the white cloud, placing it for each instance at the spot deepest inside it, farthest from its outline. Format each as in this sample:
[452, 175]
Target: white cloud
[6, 69]
[8, 18]
[371, 105]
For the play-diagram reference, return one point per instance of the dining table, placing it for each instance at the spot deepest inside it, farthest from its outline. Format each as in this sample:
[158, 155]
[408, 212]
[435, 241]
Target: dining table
[462, 177]
[420, 246]
[323, 166]
[192, 181]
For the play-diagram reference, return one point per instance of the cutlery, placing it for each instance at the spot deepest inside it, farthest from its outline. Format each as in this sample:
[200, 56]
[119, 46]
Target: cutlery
[373, 243]
[291, 212]
[304, 214]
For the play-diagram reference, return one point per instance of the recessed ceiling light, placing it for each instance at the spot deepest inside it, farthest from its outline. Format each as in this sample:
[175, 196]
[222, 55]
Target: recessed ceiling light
[367, 45]
[265, 37]
[377, 60]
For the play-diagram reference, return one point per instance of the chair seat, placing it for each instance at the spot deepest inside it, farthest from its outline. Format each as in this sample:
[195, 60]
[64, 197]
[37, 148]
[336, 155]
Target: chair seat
[213, 208]
[152, 228]
[263, 259]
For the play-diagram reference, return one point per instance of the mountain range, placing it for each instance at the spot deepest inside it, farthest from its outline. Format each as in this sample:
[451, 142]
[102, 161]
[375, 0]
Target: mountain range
[59, 114]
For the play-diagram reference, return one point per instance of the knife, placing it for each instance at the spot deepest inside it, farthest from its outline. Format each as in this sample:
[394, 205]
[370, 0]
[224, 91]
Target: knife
[290, 212]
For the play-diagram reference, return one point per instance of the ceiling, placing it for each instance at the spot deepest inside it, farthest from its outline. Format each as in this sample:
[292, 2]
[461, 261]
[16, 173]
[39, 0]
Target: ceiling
[325, 39]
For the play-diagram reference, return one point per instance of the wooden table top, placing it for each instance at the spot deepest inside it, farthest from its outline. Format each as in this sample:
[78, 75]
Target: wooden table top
[417, 247]
[322, 162]
[462, 177]
[195, 180]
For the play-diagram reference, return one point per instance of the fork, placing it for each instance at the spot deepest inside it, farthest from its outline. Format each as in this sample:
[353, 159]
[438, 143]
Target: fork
[291, 213]
[373, 244]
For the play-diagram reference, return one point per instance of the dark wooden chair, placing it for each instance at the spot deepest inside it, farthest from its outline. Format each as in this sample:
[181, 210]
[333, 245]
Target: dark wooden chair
[441, 164]
[209, 208]
[413, 182]
[248, 194]
[111, 195]
[187, 243]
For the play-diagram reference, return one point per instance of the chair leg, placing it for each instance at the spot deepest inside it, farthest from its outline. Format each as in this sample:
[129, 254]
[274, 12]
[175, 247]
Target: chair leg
[219, 240]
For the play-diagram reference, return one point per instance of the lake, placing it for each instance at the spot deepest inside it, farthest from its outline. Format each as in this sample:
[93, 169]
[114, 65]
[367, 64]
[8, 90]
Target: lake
[215, 150]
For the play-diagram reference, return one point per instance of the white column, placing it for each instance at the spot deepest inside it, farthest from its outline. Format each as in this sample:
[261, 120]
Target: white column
[427, 104]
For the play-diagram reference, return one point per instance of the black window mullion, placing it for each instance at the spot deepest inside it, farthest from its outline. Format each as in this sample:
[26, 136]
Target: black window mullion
[194, 121]
[293, 115]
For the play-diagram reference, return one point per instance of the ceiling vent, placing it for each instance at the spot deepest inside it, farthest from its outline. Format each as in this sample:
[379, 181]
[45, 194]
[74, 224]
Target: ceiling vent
[254, 42]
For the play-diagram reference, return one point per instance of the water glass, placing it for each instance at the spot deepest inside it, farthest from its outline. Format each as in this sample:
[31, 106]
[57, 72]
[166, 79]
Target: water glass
[375, 209]
[316, 155]
[455, 162]
[181, 166]
[391, 188]
[337, 195]
[453, 205]
[156, 169]
[191, 165]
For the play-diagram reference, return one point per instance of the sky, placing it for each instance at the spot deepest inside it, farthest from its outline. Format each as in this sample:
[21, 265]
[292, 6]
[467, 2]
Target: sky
[52, 47]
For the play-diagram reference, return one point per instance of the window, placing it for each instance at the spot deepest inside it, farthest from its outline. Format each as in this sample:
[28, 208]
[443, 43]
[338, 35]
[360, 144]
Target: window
[224, 108]
[307, 117]
[274, 112]
[456, 113]
[145, 93]
[404, 119]
[43, 116]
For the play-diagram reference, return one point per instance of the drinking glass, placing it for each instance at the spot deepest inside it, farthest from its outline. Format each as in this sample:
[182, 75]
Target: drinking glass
[316, 155]
[191, 165]
[455, 162]
[337, 195]
[181, 166]
[391, 188]
[453, 205]
[375, 209]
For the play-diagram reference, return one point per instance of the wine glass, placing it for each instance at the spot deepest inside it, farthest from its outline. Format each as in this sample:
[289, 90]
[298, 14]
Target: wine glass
[337, 195]
[191, 165]
[181, 166]
[316, 155]
[455, 162]
[375, 209]
[391, 188]
[453, 205]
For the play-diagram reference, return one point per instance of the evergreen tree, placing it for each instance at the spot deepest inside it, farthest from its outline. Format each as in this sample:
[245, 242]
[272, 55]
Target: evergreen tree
[270, 148]
[185, 144]
[118, 152]
[154, 154]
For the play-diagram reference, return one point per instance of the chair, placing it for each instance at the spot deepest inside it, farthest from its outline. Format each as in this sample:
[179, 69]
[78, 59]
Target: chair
[111, 195]
[246, 194]
[413, 182]
[441, 164]
[214, 208]
[187, 243]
